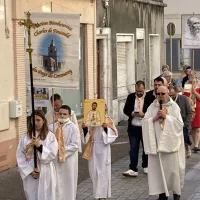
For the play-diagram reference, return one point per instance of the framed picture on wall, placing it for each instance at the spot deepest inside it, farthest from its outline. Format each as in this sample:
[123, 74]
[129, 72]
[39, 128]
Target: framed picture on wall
[94, 112]
[191, 31]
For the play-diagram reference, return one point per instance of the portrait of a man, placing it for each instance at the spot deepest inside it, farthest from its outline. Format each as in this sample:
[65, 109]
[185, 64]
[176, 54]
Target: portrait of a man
[93, 117]
[191, 31]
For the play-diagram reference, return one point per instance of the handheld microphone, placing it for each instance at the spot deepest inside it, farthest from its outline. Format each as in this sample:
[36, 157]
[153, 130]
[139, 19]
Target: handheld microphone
[160, 102]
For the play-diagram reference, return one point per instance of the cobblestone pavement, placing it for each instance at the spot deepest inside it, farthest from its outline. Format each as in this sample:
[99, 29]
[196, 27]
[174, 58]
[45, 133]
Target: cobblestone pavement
[193, 176]
[11, 187]
[122, 187]
[125, 188]
[196, 195]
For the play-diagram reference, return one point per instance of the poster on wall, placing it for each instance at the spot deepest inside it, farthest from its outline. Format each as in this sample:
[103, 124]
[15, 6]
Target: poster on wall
[41, 97]
[191, 31]
[55, 57]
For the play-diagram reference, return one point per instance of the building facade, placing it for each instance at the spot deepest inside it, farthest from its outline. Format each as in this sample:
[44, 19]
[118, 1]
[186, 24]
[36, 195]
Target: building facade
[181, 57]
[130, 47]
[7, 88]
[13, 81]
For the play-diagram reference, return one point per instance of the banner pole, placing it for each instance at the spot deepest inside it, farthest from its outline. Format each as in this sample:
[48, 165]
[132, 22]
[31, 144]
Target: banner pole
[53, 88]
[193, 56]
[193, 59]
[51, 6]
[53, 108]
[170, 53]
[28, 24]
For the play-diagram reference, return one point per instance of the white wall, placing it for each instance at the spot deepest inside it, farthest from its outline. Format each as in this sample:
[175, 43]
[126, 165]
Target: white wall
[84, 7]
[7, 87]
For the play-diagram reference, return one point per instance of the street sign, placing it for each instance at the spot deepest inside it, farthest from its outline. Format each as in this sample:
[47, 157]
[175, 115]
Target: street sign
[171, 29]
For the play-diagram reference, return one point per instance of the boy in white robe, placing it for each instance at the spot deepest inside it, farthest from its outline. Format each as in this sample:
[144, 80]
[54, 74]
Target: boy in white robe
[67, 161]
[42, 185]
[164, 143]
[98, 154]
[53, 115]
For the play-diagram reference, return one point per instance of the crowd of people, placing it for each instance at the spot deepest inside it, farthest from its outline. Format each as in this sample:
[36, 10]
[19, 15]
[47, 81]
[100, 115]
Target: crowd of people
[162, 120]
[188, 85]
[57, 141]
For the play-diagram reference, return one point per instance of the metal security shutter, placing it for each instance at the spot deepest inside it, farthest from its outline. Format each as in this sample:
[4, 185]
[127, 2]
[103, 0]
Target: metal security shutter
[122, 70]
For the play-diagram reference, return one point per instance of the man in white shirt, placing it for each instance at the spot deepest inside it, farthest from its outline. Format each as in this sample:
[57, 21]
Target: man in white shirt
[53, 115]
[134, 110]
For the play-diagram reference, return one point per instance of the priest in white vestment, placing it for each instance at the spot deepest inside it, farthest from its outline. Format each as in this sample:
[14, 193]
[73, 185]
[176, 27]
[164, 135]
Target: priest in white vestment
[67, 161]
[53, 115]
[42, 185]
[98, 154]
[164, 143]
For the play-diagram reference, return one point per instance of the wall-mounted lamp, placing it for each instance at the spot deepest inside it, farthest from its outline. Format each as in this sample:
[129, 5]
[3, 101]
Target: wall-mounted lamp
[105, 3]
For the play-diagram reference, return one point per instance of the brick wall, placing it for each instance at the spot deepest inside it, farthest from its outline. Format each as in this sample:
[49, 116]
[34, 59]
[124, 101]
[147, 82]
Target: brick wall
[89, 61]
[19, 66]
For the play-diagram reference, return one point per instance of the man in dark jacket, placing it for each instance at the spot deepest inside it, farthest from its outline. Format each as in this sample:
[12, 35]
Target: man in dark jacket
[186, 113]
[134, 110]
[151, 95]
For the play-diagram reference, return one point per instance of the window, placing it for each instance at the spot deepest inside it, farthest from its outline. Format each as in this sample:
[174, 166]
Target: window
[181, 57]
[176, 62]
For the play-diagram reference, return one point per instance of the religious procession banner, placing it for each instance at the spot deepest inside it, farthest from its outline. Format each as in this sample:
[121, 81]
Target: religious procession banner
[55, 57]
[94, 112]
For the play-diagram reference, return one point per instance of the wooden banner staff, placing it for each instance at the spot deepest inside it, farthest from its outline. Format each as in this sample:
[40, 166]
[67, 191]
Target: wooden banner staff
[193, 56]
[53, 113]
[28, 24]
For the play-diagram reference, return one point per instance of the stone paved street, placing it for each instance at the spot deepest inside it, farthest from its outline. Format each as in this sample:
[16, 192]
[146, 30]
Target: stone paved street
[11, 181]
[125, 188]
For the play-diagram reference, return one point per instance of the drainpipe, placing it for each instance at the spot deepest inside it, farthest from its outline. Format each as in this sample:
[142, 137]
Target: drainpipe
[94, 56]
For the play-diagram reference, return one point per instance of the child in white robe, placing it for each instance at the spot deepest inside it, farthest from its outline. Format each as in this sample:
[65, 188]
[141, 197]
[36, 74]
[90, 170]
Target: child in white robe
[42, 185]
[98, 154]
[67, 161]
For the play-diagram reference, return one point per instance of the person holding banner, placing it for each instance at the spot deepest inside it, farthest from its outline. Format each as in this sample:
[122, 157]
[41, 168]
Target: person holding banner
[53, 115]
[42, 185]
[98, 154]
[66, 163]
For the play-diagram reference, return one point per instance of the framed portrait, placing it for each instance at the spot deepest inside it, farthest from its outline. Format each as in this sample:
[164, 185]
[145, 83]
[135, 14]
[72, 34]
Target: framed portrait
[94, 112]
[190, 31]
